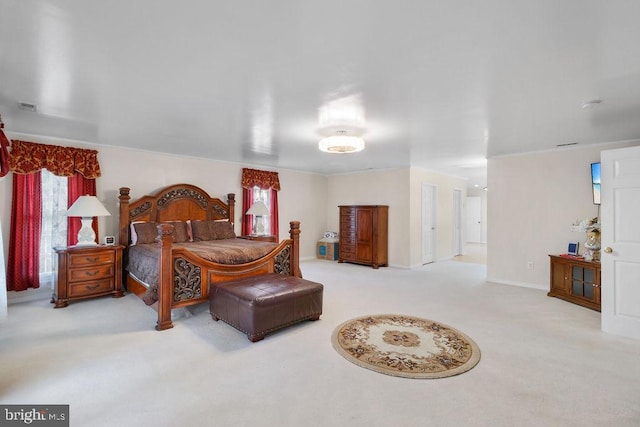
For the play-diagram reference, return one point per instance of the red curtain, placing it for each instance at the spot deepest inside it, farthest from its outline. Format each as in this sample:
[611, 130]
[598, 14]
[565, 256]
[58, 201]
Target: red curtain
[77, 186]
[247, 201]
[23, 269]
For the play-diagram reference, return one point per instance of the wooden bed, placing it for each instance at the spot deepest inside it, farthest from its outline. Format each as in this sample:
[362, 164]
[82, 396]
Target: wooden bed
[184, 277]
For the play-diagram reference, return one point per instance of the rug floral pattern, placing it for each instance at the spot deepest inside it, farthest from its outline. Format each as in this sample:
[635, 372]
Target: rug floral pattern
[405, 346]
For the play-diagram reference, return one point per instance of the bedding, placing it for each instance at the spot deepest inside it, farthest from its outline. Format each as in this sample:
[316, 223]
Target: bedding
[143, 258]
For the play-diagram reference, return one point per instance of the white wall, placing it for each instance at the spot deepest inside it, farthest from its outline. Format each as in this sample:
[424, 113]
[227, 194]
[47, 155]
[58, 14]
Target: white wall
[533, 200]
[387, 187]
[303, 196]
[401, 189]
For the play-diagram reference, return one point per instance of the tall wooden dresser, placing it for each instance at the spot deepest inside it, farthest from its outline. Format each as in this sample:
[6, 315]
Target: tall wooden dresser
[364, 235]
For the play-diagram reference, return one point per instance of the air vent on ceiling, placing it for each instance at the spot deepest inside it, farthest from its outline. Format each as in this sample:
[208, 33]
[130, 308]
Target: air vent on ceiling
[27, 107]
[567, 144]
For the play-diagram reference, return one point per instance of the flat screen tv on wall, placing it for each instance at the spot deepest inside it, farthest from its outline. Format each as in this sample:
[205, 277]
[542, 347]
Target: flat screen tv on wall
[595, 182]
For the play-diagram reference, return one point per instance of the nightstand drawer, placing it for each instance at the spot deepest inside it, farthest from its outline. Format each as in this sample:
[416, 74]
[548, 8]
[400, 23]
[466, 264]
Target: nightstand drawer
[83, 260]
[91, 273]
[90, 288]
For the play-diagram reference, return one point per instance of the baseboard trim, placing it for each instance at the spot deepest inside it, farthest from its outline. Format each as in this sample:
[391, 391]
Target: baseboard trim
[520, 284]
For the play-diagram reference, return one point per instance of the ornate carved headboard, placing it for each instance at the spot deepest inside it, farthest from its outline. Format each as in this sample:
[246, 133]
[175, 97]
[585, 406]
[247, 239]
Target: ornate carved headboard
[179, 202]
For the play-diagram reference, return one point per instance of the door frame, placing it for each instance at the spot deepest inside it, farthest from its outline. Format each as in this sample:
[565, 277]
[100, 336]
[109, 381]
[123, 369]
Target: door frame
[458, 232]
[428, 224]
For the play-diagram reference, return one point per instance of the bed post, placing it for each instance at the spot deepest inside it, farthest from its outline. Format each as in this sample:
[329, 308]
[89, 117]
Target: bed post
[165, 279]
[124, 216]
[294, 232]
[231, 201]
[123, 237]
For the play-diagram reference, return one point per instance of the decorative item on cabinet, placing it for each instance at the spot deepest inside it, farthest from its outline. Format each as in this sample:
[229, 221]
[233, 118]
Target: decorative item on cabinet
[364, 235]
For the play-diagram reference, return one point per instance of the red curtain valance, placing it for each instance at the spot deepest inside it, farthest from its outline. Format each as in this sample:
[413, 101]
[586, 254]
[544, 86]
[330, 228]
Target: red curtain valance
[28, 157]
[262, 179]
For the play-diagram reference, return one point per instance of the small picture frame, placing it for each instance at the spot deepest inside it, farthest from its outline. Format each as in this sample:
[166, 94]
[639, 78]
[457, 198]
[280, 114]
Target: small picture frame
[109, 240]
[572, 249]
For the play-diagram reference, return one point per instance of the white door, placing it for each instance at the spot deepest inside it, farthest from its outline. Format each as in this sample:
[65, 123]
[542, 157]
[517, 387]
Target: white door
[428, 223]
[620, 255]
[457, 222]
[474, 219]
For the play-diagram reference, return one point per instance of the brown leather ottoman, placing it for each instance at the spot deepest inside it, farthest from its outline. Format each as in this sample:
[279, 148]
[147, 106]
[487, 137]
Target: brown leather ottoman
[258, 305]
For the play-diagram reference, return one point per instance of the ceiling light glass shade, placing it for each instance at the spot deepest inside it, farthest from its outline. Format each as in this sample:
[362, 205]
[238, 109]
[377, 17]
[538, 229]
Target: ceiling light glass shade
[341, 144]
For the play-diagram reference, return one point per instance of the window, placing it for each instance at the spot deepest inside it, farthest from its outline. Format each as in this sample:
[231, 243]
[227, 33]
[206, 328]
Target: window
[265, 197]
[54, 222]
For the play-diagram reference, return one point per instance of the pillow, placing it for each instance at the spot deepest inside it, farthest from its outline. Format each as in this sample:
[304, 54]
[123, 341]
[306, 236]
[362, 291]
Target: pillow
[200, 230]
[132, 232]
[221, 230]
[212, 230]
[180, 233]
[146, 232]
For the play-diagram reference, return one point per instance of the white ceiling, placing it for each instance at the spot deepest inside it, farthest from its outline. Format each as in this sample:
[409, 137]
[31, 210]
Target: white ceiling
[442, 84]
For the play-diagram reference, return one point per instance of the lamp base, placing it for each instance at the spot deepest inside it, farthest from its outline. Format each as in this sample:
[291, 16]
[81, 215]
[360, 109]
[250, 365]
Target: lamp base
[86, 235]
[258, 229]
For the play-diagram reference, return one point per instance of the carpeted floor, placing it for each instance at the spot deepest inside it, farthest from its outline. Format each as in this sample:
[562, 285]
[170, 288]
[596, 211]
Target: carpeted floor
[545, 362]
[475, 253]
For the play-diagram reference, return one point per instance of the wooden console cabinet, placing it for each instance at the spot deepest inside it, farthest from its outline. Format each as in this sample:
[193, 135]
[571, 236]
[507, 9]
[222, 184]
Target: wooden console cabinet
[87, 272]
[364, 235]
[576, 281]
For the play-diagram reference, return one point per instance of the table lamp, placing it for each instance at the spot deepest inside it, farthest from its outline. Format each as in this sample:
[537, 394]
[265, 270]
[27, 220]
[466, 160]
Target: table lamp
[259, 210]
[87, 207]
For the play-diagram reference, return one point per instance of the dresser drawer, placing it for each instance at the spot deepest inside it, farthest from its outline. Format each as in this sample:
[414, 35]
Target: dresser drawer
[83, 260]
[91, 273]
[347, 250]
[90, 288]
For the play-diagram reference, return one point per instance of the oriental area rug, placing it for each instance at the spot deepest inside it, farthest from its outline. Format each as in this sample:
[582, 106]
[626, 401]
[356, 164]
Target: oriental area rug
[405, 346]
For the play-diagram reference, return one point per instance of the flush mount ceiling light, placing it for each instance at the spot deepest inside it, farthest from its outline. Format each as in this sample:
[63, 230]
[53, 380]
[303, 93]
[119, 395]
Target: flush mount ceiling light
[341, 143]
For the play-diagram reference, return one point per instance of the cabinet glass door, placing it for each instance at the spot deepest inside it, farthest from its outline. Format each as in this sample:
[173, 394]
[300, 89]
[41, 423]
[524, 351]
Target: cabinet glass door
[582, 282]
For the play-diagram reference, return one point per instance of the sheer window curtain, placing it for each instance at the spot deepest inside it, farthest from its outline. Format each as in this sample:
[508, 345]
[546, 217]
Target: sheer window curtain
[54, 223]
